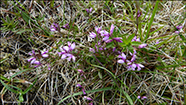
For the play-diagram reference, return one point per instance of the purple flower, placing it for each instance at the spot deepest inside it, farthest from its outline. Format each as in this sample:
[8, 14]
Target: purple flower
[54, 27]
[118, 39]
[72, 57]
[139, 66]
[123, 58]
[121, 61]
[104, 33]
[88, 98]
[90, 103]
[114, 49]
[177, 32]
[33, 58]
[142, 45]
[108, 41]
[91, 50]
[133, 66]
[78, 85]
[71, 46]
[49, 67]
[157, 42]
[111, 29]
[138, 14]
[79, 70]
[133, 58]
[84, 91]
[92, 34]
[139, 97]
[144, 97]
[66, 52]
[44, 53]
[37, 62]
[106, 38]
[89, 10]
[66, 26]
[98, 29]
[179, 27]
[135, 39]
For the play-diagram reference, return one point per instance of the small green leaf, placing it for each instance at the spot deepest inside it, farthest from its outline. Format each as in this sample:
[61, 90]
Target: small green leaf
[100, 75]
[21, 99]
[25, 17]
[130, 38]
[130, 102]
[135, 43]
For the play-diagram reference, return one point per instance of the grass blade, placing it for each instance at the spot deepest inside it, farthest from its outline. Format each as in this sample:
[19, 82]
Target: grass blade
[152, 18]
[80, 93]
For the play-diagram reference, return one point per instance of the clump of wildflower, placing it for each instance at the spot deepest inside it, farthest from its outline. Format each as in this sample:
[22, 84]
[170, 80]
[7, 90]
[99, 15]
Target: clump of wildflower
[33, 59]
[107, 35]
[130, 63]
[66, 52]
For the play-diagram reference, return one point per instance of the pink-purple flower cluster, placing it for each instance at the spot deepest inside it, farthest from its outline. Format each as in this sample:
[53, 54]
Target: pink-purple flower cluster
[35, 57]
[130, 63]
[66, 52]
[106, 37]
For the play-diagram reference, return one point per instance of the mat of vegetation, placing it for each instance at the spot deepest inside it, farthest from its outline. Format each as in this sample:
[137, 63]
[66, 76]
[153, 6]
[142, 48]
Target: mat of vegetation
[93, 52]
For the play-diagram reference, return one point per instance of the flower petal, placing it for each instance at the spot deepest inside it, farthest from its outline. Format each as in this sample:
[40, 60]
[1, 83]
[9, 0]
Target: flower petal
[88, 98]
[66, 48]
[37, 63]
[123, 56]
[142, 45]
[73, 46]
[118, 39]
[111, 29]
[105, 38]
[63, 56]
[121, 61]
[45, 55]
[92, 35]
[108, 41]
